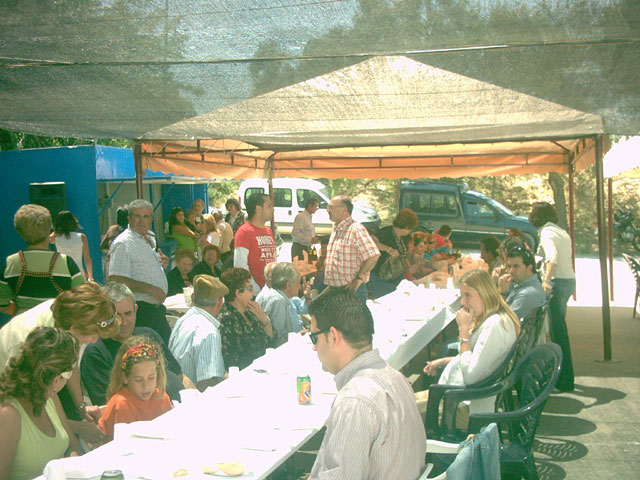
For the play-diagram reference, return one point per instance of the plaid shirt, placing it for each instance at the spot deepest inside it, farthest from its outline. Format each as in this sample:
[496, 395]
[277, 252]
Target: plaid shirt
[350, 246]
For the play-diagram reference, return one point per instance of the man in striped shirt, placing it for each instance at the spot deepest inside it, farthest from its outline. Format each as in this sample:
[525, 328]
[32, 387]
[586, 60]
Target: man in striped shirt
[195, 340]
[374, 430]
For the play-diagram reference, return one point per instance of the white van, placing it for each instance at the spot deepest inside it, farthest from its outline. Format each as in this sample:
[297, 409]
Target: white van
[289, 195]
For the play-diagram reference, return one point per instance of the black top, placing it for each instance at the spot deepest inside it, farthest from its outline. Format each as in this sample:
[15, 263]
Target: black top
[204, 268]
[176, 282]
[386, 236]
[98, 359]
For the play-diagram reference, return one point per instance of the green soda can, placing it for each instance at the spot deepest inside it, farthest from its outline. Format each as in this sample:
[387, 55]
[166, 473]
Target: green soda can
[303, 384]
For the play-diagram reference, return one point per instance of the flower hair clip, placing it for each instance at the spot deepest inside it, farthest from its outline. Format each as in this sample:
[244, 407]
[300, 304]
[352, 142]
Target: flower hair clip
[139, 351]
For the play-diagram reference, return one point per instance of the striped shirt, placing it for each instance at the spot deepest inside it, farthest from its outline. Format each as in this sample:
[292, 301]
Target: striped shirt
[196, 343]
[131, 256]
[374, 430]
[35, 290]
[350, 246]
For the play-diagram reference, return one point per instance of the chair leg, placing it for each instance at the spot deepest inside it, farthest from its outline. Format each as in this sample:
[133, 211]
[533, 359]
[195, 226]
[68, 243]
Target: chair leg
[530, 468]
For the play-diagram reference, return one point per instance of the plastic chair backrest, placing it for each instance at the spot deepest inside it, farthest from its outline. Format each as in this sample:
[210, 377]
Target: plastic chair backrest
[537, 374]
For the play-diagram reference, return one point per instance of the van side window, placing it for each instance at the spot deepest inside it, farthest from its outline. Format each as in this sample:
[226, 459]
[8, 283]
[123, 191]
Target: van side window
[302, 195]
[282, 197]
[478, 209]
[250, 191]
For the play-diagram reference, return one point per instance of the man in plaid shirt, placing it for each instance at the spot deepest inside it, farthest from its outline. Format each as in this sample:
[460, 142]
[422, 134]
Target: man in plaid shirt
[352, 253]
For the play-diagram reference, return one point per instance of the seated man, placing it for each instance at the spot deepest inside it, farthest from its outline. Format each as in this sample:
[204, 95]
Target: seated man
[97, 361]
[374, 430]
[489, 247]
[285, 283]
[268, 273]
[442, 237]
[520, 286]
[195, 340]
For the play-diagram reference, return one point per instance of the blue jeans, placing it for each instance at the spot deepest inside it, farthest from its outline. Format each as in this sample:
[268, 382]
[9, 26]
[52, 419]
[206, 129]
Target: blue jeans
[379, 287]
[561, 291]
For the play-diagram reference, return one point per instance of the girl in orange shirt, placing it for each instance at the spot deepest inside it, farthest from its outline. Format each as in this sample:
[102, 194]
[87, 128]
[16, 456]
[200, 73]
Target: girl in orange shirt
[137, 386]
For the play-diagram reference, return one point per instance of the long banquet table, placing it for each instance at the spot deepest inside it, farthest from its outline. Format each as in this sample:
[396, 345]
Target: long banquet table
[254, 417]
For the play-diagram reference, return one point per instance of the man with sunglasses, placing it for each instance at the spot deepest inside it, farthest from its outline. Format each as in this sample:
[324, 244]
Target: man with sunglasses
[374, 425]
[521, 286]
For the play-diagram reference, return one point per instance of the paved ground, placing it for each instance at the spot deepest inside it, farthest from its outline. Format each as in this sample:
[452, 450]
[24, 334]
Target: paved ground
[594, 432]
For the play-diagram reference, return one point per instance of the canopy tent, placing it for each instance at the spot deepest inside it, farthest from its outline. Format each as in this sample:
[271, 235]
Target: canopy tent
[133, 69]
[386, 117]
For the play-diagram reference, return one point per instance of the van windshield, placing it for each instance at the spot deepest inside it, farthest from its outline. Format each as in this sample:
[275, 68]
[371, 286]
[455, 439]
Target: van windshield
[501, 207]
[325, 191]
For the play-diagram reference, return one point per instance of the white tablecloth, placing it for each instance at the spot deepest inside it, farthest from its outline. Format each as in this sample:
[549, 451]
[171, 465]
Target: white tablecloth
[254, 416]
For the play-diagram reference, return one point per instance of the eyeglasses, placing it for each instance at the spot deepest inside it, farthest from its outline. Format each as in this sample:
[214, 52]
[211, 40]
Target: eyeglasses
[245, 289]
[314, 335]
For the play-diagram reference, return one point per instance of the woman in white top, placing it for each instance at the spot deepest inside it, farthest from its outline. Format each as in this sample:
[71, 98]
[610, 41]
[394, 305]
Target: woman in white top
[488, 330]
[558, 280]
[69, 241]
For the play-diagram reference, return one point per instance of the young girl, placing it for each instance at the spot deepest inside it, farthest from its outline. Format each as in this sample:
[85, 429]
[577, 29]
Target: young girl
[137, 387]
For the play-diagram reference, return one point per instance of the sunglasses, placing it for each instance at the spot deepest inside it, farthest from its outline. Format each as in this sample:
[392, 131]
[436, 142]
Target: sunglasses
[314, 335]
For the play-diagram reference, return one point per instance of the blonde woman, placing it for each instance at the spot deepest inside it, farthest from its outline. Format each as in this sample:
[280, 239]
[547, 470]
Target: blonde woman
[488, 329]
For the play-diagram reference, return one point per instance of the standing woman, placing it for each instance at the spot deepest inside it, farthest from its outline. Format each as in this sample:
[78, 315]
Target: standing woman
[179, 230]
[72, 243]
[235, 217]
[34, 427]
[558, 280]
[389, 242]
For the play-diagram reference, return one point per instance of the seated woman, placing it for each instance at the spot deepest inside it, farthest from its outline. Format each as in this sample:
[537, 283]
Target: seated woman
[209, 264]
[488, 328]
[36, 273]
[179, 230]
[245, 328]
[389, 242]
[179, 277]
[419, 267]
[86, 312]
[34, 427]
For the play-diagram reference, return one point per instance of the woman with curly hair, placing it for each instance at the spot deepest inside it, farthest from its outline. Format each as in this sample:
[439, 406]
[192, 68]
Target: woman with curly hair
[245, 328]
[34, 427]
[84, 311]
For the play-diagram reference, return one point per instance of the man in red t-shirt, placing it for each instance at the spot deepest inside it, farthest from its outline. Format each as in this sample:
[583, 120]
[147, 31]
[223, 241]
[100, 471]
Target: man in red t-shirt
[255, 245]
[442, 235]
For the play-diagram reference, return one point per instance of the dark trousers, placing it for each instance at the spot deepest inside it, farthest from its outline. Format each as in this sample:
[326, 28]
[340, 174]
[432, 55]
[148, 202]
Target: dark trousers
[297, 249]
[153, 316]
[561, 291]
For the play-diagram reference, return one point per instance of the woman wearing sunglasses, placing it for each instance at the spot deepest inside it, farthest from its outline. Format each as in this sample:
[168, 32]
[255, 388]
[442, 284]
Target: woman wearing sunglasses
[84, 311]
[245, 328]
[34, 427]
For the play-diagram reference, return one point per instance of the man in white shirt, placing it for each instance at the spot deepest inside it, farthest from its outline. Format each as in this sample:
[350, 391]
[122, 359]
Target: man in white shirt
[135, 260]
[303, 234]
[374, 430]
[195, 340]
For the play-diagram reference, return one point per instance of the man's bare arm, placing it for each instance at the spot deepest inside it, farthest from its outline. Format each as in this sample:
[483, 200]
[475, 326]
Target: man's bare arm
[138, 286]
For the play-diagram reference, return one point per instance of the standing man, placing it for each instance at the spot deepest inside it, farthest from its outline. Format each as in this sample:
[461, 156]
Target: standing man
[303, 234]
[135, 260]
[352, 252]
[195, 340]
[374, 430]
[255, 245]
[520, 286]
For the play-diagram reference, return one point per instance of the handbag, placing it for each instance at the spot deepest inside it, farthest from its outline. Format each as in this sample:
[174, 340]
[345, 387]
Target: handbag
[393, 267]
